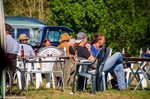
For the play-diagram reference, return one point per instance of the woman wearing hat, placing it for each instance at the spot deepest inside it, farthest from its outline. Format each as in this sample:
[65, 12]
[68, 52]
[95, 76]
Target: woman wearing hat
[28, 50]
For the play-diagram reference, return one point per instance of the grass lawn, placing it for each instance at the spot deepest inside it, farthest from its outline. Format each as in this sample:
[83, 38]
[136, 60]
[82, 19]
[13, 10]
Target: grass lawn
[44, 93]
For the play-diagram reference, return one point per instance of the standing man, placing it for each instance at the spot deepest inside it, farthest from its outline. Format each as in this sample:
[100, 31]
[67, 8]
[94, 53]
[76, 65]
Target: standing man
[12, 47]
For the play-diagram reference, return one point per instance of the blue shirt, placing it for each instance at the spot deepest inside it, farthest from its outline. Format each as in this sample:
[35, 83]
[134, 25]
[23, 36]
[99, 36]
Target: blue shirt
[12, 46]
[28, 50]
[94, 50]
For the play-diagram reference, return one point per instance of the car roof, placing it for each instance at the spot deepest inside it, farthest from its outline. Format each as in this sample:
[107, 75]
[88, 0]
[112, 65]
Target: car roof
[60, 28]
[22, 21]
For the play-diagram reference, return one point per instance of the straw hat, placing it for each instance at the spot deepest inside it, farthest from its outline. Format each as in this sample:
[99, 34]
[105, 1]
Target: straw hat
[64, 37]
[23, 37]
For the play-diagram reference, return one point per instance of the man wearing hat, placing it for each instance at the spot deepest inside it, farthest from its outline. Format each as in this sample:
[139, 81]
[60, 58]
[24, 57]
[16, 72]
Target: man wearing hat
[12, 47]
[64, 39]
[69, 64]
[28, 50]
[83, 49]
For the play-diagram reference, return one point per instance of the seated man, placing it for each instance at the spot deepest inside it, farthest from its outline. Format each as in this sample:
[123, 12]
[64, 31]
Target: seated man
[28, 50]
[114, 63]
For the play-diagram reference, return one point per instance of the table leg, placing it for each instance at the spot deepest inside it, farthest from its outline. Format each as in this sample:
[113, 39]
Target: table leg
[62, 75]
[24, 63]
[144, 74]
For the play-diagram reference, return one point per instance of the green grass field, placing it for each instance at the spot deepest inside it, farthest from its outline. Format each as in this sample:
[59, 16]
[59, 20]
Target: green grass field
[44, 93]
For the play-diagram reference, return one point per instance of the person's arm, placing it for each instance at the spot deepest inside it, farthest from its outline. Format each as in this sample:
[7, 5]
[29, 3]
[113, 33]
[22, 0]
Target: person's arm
[91, 57]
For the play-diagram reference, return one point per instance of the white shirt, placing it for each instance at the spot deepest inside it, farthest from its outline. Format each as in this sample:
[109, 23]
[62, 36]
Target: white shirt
[28, 50]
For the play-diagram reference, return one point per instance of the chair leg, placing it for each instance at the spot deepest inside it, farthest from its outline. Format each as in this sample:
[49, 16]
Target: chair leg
[104, 81]
[73, 83]
[47, 77]
[38, 79]
[93, 84]
[19, 79]
[52, 75]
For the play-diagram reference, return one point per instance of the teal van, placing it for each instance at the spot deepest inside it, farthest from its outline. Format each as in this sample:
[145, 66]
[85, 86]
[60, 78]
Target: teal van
[36, 30]
[27, 25]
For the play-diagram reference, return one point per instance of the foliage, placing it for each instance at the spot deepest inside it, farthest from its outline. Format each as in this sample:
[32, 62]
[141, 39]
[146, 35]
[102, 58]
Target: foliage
[125, 23]
[31, 8]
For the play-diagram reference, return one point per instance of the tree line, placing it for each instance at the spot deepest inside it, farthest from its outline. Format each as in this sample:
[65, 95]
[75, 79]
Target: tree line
[125, 23]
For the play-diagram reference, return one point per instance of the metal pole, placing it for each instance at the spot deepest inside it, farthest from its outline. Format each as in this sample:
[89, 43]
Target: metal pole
[3, 44]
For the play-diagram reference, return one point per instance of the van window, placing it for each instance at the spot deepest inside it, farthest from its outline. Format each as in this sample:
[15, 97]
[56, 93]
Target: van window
[23, 31]
[36, 36]
[54, 36]
[13, 33]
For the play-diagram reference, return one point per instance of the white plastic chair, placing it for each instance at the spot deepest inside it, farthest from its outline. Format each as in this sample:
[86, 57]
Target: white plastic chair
[47, 68]
[28, 67]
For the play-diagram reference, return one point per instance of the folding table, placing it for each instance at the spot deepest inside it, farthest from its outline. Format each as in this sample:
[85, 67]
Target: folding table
[25, 60]
[140, 63]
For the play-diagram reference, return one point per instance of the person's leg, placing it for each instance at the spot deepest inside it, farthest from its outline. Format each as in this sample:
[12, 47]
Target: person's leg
[115, 63]
[120, 75]
[114, 80]
[113, 75]
[114, 59]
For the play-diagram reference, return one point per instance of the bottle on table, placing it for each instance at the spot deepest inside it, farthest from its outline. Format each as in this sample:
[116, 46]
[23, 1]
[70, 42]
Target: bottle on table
[147, 50]
[22, 51]
[141, 52]
[123, 52]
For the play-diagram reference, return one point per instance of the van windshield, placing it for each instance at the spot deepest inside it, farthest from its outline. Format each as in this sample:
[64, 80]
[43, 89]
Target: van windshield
[54, 36]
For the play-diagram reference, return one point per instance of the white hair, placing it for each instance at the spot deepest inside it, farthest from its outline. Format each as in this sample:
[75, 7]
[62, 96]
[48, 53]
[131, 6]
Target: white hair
[71, 41]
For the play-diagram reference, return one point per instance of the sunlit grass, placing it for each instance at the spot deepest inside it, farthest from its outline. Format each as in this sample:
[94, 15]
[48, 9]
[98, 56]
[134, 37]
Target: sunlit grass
[44, 93]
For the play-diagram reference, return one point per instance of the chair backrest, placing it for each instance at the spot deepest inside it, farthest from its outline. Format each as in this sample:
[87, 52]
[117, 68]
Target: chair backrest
[51, 50]
[102, 57]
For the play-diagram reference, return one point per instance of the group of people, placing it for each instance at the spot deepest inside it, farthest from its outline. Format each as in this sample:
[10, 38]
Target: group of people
[82, 48]
[79, 47]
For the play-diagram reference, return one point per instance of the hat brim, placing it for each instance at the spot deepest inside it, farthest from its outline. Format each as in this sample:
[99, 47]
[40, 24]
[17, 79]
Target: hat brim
[23, 38]
[78, 41]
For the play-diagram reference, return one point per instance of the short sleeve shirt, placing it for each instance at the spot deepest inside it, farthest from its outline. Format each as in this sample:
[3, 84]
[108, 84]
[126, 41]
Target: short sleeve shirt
[94, 50]
[28, 50]
[83, 52]
[12, 46]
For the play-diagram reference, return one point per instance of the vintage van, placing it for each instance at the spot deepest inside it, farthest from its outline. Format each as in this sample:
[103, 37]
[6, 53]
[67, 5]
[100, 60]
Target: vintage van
[27, 25]
[36, 30]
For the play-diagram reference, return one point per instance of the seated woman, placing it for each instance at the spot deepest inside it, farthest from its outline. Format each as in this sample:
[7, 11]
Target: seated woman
[114, 63]
[95, 47]
[46, 43]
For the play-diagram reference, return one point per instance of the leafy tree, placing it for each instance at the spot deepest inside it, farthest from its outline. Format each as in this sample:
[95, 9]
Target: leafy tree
[30, 8]
[125, 23]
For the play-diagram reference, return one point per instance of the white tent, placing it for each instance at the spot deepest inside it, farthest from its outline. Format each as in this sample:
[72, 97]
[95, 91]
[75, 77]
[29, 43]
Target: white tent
[3, 44]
